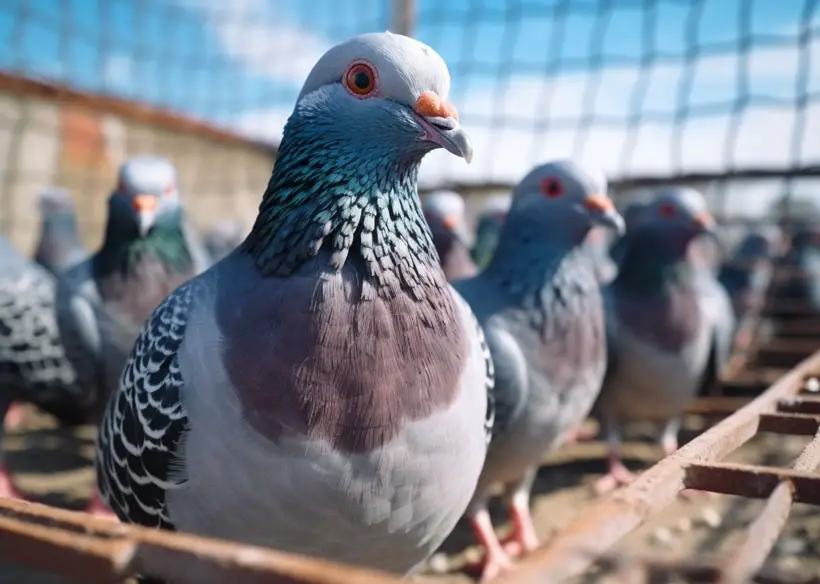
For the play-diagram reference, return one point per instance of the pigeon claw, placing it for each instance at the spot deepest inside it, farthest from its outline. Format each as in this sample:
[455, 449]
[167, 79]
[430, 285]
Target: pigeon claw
[14, 416]
[617, 476]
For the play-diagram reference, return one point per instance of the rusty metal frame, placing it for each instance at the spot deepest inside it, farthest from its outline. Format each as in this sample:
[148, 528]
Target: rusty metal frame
[697, 466]
[87, 549]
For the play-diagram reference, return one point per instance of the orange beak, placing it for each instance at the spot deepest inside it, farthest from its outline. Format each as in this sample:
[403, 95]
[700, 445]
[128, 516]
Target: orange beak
[599, 203]
[450, 222]
[704, 220]
[603, 212]
[431, 105]
[145, 203]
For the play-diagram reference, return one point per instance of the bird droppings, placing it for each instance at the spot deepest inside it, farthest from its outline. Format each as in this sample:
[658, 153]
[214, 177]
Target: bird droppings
[684, 525]
[663, 536]
[439, 564]
[711, 517]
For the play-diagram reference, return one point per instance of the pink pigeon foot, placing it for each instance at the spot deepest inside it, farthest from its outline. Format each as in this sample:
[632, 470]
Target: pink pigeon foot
[7, 488]
[495, 560]
[523, 539]
[618, 475]
[14, 416]
[98, 508]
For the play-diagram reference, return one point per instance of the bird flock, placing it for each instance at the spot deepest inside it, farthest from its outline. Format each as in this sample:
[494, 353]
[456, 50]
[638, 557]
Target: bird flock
[360, 372]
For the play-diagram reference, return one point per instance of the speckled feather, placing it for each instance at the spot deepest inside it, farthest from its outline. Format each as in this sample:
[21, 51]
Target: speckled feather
[33, 362]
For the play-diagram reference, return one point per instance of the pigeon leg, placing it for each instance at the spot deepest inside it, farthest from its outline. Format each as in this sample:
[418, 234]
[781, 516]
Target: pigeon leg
[618, 473]
[669, 437]
[7, 488]
[517, 495]
[495, 561]
[98, 508]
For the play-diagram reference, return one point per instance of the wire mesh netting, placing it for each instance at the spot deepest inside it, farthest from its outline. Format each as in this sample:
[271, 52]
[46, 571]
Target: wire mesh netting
[641, 88]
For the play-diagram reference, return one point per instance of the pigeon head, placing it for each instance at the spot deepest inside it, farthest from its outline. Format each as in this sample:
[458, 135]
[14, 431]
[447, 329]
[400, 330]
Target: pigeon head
[146, 196]
[564, 197]
[345, 182]
[381, 94]
[444, 211]
[680, 215]
[54, 202]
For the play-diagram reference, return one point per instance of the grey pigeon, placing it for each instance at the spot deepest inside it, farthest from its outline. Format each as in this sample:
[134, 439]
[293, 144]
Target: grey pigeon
[747, 273]
[34, 367]
[488, 228]
[321, 390]
[147, 252]
[802, 260]
[670, 325]
[541, 307]
[59, 246]
[444, 212]
[223, 237]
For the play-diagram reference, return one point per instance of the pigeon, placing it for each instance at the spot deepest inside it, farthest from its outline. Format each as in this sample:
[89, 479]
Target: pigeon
[444, 212]
[670, 325]
[223, 237]
[747, 274]
[59, 246]
[147, 252]
[541, 307]
[322, 390]
[34, 366]
[802, 283]
[490, 222]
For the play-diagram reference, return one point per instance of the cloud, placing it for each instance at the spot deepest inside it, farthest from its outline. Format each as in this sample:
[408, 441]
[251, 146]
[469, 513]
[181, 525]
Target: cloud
[255, 35]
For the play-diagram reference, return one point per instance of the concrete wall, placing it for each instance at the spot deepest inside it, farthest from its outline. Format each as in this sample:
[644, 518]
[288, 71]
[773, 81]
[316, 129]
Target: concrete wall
[46, 142]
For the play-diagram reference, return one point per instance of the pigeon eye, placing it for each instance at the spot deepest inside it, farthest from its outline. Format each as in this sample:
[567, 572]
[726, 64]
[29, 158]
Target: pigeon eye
[667, 210]
[552, 187]
[360, 79]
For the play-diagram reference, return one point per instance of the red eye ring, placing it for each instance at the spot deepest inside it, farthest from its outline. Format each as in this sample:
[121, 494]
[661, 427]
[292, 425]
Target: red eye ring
[667, 210]
[169, 190]
[552, 187]
[360, 79]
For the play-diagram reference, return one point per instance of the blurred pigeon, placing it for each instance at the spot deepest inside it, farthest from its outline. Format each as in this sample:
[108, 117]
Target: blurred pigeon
[802, 260]
[146, 254]
[34, 367]
[746, 275]
[541, 307]
[321, 390]
[444, 211]
[490, 222]
[223, 237]
[670, 324]
[59, 246]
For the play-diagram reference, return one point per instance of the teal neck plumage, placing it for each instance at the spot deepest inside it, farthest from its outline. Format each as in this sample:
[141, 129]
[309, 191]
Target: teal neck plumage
[355, 202]
[653, 265]
[123, 249]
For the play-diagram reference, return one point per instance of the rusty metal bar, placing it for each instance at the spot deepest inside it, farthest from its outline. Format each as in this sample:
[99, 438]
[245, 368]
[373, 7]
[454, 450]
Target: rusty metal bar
[795, 424]
[762, 535]
[597, 529]
[87, 549]
[752, 481]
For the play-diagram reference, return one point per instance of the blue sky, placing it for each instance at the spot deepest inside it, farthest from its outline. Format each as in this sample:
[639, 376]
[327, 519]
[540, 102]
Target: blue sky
[526, 74]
